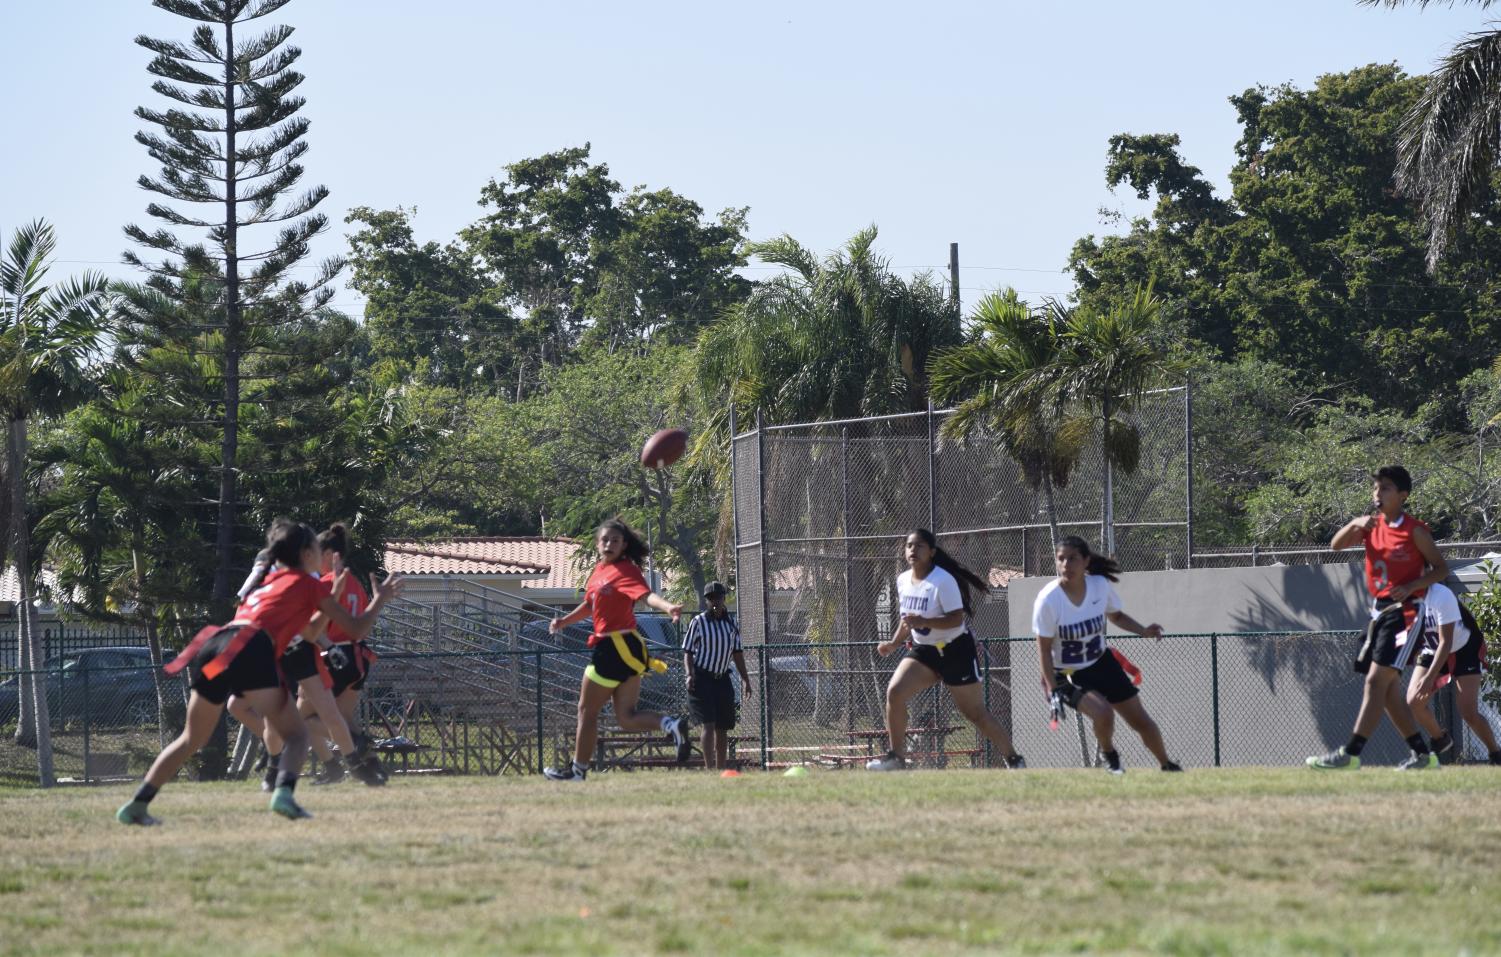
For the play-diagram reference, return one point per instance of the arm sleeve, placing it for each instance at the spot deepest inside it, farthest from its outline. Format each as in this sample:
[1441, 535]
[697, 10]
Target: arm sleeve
[1112, 598]
[632, 583]
[735, 630]
[690, 637]
[1444, 606]
[1044, 617]
[950, 599]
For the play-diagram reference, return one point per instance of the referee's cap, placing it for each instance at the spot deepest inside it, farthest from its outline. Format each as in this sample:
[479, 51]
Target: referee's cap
[715, 588]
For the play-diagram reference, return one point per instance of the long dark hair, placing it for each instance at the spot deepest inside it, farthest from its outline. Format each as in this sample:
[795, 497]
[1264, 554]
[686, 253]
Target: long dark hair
[635, 547]
[287, 540]
[335, 539]
[1096, 564]
[942, 559]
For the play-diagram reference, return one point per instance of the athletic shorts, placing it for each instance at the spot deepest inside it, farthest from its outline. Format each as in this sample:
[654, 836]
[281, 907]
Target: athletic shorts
[347, 665]
[1468, 660]
[302, 661]
[712, 701]
[955, 661]
[619, 657]
[252, 669]
[1380, 645]
[1105, 676]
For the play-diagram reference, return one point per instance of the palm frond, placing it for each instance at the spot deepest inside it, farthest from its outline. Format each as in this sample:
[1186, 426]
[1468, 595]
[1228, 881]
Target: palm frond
[1451, 139]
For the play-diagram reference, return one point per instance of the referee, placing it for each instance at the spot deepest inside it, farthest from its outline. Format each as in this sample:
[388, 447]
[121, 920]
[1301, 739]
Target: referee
[712, 643]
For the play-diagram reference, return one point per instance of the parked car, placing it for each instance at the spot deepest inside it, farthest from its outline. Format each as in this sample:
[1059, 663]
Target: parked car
[112, 686]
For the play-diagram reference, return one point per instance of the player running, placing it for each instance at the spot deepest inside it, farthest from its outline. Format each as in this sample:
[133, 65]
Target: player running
[1452, 649]
[935, 600]
[1078, 667]
[242, 658]
[620, 655]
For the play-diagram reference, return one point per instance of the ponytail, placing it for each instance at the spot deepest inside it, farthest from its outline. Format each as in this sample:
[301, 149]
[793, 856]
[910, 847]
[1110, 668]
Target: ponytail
[942, 559]
[1096, 564]
[335, 539]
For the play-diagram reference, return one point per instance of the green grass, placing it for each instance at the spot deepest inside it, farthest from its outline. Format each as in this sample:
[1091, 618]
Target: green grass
[1248, 861]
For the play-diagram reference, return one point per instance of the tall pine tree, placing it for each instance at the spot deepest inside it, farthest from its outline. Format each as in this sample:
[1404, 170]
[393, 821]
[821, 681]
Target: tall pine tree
[229, 149]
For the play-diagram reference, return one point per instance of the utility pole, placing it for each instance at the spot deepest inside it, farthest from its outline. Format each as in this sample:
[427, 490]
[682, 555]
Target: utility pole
[954, 276]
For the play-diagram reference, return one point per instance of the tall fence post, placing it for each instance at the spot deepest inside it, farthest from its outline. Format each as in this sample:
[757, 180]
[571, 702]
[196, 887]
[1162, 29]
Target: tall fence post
[541, 747]
[88, 707]
[1214, 677]
[765, 705]
[932, 472]
[1188, 458]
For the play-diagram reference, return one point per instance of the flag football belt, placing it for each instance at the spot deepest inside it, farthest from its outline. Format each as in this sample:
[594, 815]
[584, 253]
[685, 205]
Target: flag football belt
[1127, 665]
[623, 649]
[245, 630]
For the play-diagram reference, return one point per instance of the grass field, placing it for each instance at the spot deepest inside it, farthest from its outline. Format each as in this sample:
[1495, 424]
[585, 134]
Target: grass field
[1281, 861]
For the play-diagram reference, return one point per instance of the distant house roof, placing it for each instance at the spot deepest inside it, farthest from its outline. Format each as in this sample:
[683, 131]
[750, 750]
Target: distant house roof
[10, 584]
[538, 562]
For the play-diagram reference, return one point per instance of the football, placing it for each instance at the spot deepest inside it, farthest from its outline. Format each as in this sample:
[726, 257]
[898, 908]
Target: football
[664, 448]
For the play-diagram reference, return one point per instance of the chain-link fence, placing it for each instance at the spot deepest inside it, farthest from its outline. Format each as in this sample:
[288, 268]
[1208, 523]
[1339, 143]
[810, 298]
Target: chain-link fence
[821, 510]
[1257, 555]
[1220, 700]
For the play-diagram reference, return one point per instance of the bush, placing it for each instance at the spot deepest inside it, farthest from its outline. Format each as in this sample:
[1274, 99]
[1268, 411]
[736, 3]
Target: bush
[1485, 605]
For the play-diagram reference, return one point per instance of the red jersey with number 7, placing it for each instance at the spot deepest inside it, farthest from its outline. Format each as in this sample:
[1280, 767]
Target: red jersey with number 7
[1391, 556]
[354, 599]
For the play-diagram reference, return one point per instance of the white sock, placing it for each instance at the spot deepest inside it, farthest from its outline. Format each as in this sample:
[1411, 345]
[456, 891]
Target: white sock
[579, 767]
[667, 722]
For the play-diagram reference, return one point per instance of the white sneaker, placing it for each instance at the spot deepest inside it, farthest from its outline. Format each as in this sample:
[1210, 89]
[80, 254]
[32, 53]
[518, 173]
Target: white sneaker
[890, 761]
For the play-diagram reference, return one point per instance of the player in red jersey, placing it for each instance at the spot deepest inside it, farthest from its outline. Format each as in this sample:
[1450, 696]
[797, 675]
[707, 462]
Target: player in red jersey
[348, 658]
[1401, 562]
[242, 658]
[620, 655]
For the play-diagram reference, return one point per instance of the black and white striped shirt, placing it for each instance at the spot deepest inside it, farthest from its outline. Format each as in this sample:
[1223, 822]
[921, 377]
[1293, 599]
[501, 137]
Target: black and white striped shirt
[712, 641]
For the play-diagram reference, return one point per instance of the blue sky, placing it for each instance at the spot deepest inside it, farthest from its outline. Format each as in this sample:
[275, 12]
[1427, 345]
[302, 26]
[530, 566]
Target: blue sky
[978, 123]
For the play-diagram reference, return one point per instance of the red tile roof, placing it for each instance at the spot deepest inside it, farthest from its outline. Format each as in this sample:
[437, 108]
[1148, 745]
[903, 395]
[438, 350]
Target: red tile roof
[539, 562]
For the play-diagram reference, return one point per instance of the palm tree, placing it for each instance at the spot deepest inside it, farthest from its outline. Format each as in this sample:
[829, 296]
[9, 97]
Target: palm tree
[833, 338]
[48, 336]
[1006, 381]
[1108, 359]
[1451, 138]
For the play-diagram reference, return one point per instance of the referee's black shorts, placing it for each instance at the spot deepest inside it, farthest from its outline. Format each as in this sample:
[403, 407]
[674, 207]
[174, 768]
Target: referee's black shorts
[712, 701]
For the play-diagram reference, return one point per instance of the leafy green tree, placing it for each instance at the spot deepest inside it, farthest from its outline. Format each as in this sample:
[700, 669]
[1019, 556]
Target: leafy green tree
[1313, 262]
[1006, 381]
[832, 338]
[48, 338]
[232, 156]
[1450, 140]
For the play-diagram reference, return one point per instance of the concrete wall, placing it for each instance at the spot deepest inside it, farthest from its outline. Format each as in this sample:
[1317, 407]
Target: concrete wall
[1261, 699]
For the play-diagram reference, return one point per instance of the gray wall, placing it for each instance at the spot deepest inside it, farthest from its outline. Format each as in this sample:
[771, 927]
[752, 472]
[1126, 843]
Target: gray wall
[1264, 699]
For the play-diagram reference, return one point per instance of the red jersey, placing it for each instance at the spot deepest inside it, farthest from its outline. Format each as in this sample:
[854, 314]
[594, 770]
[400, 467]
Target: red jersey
[612, 591]
[1391, 556]
[283, 605]
[354, 600]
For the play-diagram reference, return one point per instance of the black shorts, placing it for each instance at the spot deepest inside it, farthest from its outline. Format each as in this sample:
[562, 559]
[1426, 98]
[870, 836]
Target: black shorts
[347, 666]
[612, 665]
[1380, 645]
[1105, 676]
[300, 661]
[1465, 661]
[712, 701]
[956, 662]
[252, 669]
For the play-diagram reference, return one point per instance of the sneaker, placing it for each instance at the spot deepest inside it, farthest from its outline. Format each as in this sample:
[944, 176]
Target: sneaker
[1419, 762]
[1336, 760]
[679, 732]
[1172, 766]
[1495, 757]
[890, 761]
[135, 813]
[569, 773]
[283, 803]
[1113, 762]
[330, 773]
[1015, 762]
[368, 772]
[1448, 754]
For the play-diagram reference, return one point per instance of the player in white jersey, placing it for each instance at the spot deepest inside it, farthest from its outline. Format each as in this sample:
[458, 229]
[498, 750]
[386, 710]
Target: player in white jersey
[1450, 646]
[934, 593]
[1078, 668]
